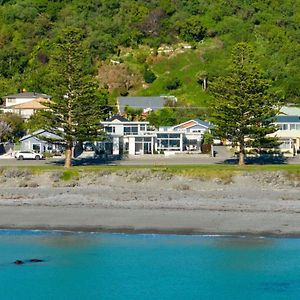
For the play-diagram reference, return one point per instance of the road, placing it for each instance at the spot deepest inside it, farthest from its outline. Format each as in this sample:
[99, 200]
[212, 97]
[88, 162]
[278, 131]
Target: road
[141, 160]
[222, 156]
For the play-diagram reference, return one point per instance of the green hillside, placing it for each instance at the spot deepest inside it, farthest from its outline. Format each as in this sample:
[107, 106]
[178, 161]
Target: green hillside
[132, 32]
[186, 65]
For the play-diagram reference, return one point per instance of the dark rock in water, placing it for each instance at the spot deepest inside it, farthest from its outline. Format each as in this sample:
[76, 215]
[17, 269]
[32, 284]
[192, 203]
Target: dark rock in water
[35, 260]
[19, 262]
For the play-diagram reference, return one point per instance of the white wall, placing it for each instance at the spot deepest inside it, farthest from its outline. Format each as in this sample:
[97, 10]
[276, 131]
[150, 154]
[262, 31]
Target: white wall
[10, 101]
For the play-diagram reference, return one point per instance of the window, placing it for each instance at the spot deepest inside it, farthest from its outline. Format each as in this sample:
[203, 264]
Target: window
[283, 126]
[294, 126]
[131, 130]
[286, 144]
[169, 141]
[143, 127]
[126, 146]
[110, 129]
[36, 147]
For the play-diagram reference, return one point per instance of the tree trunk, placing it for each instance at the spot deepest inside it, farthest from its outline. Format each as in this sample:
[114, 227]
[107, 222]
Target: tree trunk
[242, 154]
[68, 154]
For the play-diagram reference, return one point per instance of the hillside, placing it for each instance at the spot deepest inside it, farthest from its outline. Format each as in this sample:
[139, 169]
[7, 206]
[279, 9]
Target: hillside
[133, 32]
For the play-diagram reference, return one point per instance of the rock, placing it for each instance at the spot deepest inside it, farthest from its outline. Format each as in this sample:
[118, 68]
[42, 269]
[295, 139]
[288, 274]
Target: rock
[35, 260]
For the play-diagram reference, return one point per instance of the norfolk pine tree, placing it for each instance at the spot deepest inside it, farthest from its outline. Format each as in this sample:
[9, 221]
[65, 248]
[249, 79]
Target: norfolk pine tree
[77, 105]
[243, 109]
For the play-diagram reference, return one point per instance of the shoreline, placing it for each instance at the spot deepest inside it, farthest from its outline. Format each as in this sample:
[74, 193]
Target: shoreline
[155, 202]
[138, 221]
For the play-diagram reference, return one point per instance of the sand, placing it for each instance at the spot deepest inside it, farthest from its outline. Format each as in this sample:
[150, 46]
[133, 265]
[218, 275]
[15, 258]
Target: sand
[142, 201]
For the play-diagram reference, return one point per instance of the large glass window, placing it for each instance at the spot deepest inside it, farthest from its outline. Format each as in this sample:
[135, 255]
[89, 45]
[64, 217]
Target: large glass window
[286, 144]
[294, 126]
[283, 126]
[168, 141]
[143, 145]
[174, 143]
[131, 130]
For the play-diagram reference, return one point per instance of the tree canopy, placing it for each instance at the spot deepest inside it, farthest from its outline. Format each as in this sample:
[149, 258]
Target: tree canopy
[28, 28]
[243, 108]
[77, 106]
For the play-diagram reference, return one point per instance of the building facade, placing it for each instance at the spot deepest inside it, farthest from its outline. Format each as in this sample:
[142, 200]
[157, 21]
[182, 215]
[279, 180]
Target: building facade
[288, 133]
[25, 104]
[138, 138]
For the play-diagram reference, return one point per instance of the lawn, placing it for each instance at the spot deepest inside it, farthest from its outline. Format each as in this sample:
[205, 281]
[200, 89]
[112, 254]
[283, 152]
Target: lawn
[186, 170]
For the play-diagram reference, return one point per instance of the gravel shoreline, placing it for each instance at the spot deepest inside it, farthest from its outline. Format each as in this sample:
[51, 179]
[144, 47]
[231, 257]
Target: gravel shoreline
[259, 203]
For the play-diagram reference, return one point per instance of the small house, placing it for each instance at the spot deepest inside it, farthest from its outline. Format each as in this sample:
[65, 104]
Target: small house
[41, 141]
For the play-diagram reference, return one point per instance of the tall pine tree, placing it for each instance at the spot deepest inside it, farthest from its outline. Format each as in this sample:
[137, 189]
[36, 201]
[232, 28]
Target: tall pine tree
[77, 105]
[243, 108]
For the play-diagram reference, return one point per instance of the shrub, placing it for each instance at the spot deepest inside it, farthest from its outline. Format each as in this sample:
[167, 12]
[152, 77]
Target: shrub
[192, 30]
[208, 138]
[182, 187]
[16, 173]
[68, 175]
[149, 76]
[173, 84]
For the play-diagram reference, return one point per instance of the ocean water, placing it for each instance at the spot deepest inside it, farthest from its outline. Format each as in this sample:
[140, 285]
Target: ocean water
[136, 266]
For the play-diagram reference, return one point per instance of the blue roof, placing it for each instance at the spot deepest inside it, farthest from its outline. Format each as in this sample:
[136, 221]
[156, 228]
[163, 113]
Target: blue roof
[40, 134]
[287, 119]
[203, 123]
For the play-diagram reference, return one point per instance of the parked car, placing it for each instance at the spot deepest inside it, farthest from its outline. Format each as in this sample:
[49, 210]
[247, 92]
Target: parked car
[20, 155]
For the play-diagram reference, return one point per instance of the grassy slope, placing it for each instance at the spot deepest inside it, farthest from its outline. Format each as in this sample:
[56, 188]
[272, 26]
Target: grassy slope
[185, 66]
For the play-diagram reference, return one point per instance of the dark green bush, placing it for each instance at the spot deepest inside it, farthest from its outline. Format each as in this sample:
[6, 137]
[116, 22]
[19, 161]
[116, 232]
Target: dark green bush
[149, 76]
[173, 84]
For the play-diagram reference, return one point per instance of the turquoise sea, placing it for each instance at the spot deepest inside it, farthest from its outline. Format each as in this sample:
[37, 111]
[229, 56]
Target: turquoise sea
[144, 266]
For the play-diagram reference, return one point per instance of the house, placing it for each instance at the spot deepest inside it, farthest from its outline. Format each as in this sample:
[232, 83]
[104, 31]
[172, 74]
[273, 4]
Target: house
[25, 104]
[125, 136]
[146, 103]
[135, 137]
[288, 133]
[41, 141]
[186, 136]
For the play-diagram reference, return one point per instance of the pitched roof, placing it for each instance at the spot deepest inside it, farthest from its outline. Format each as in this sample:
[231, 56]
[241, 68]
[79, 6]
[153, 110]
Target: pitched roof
[153, 103]
[117, 118]
[40, 134]
[28, 95]
[33, 104]
[203, 123]
[290, 111]
[192, 123]
[287, 119]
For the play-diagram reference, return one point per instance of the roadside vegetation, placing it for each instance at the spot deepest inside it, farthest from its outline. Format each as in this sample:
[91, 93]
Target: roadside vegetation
[206, 172]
